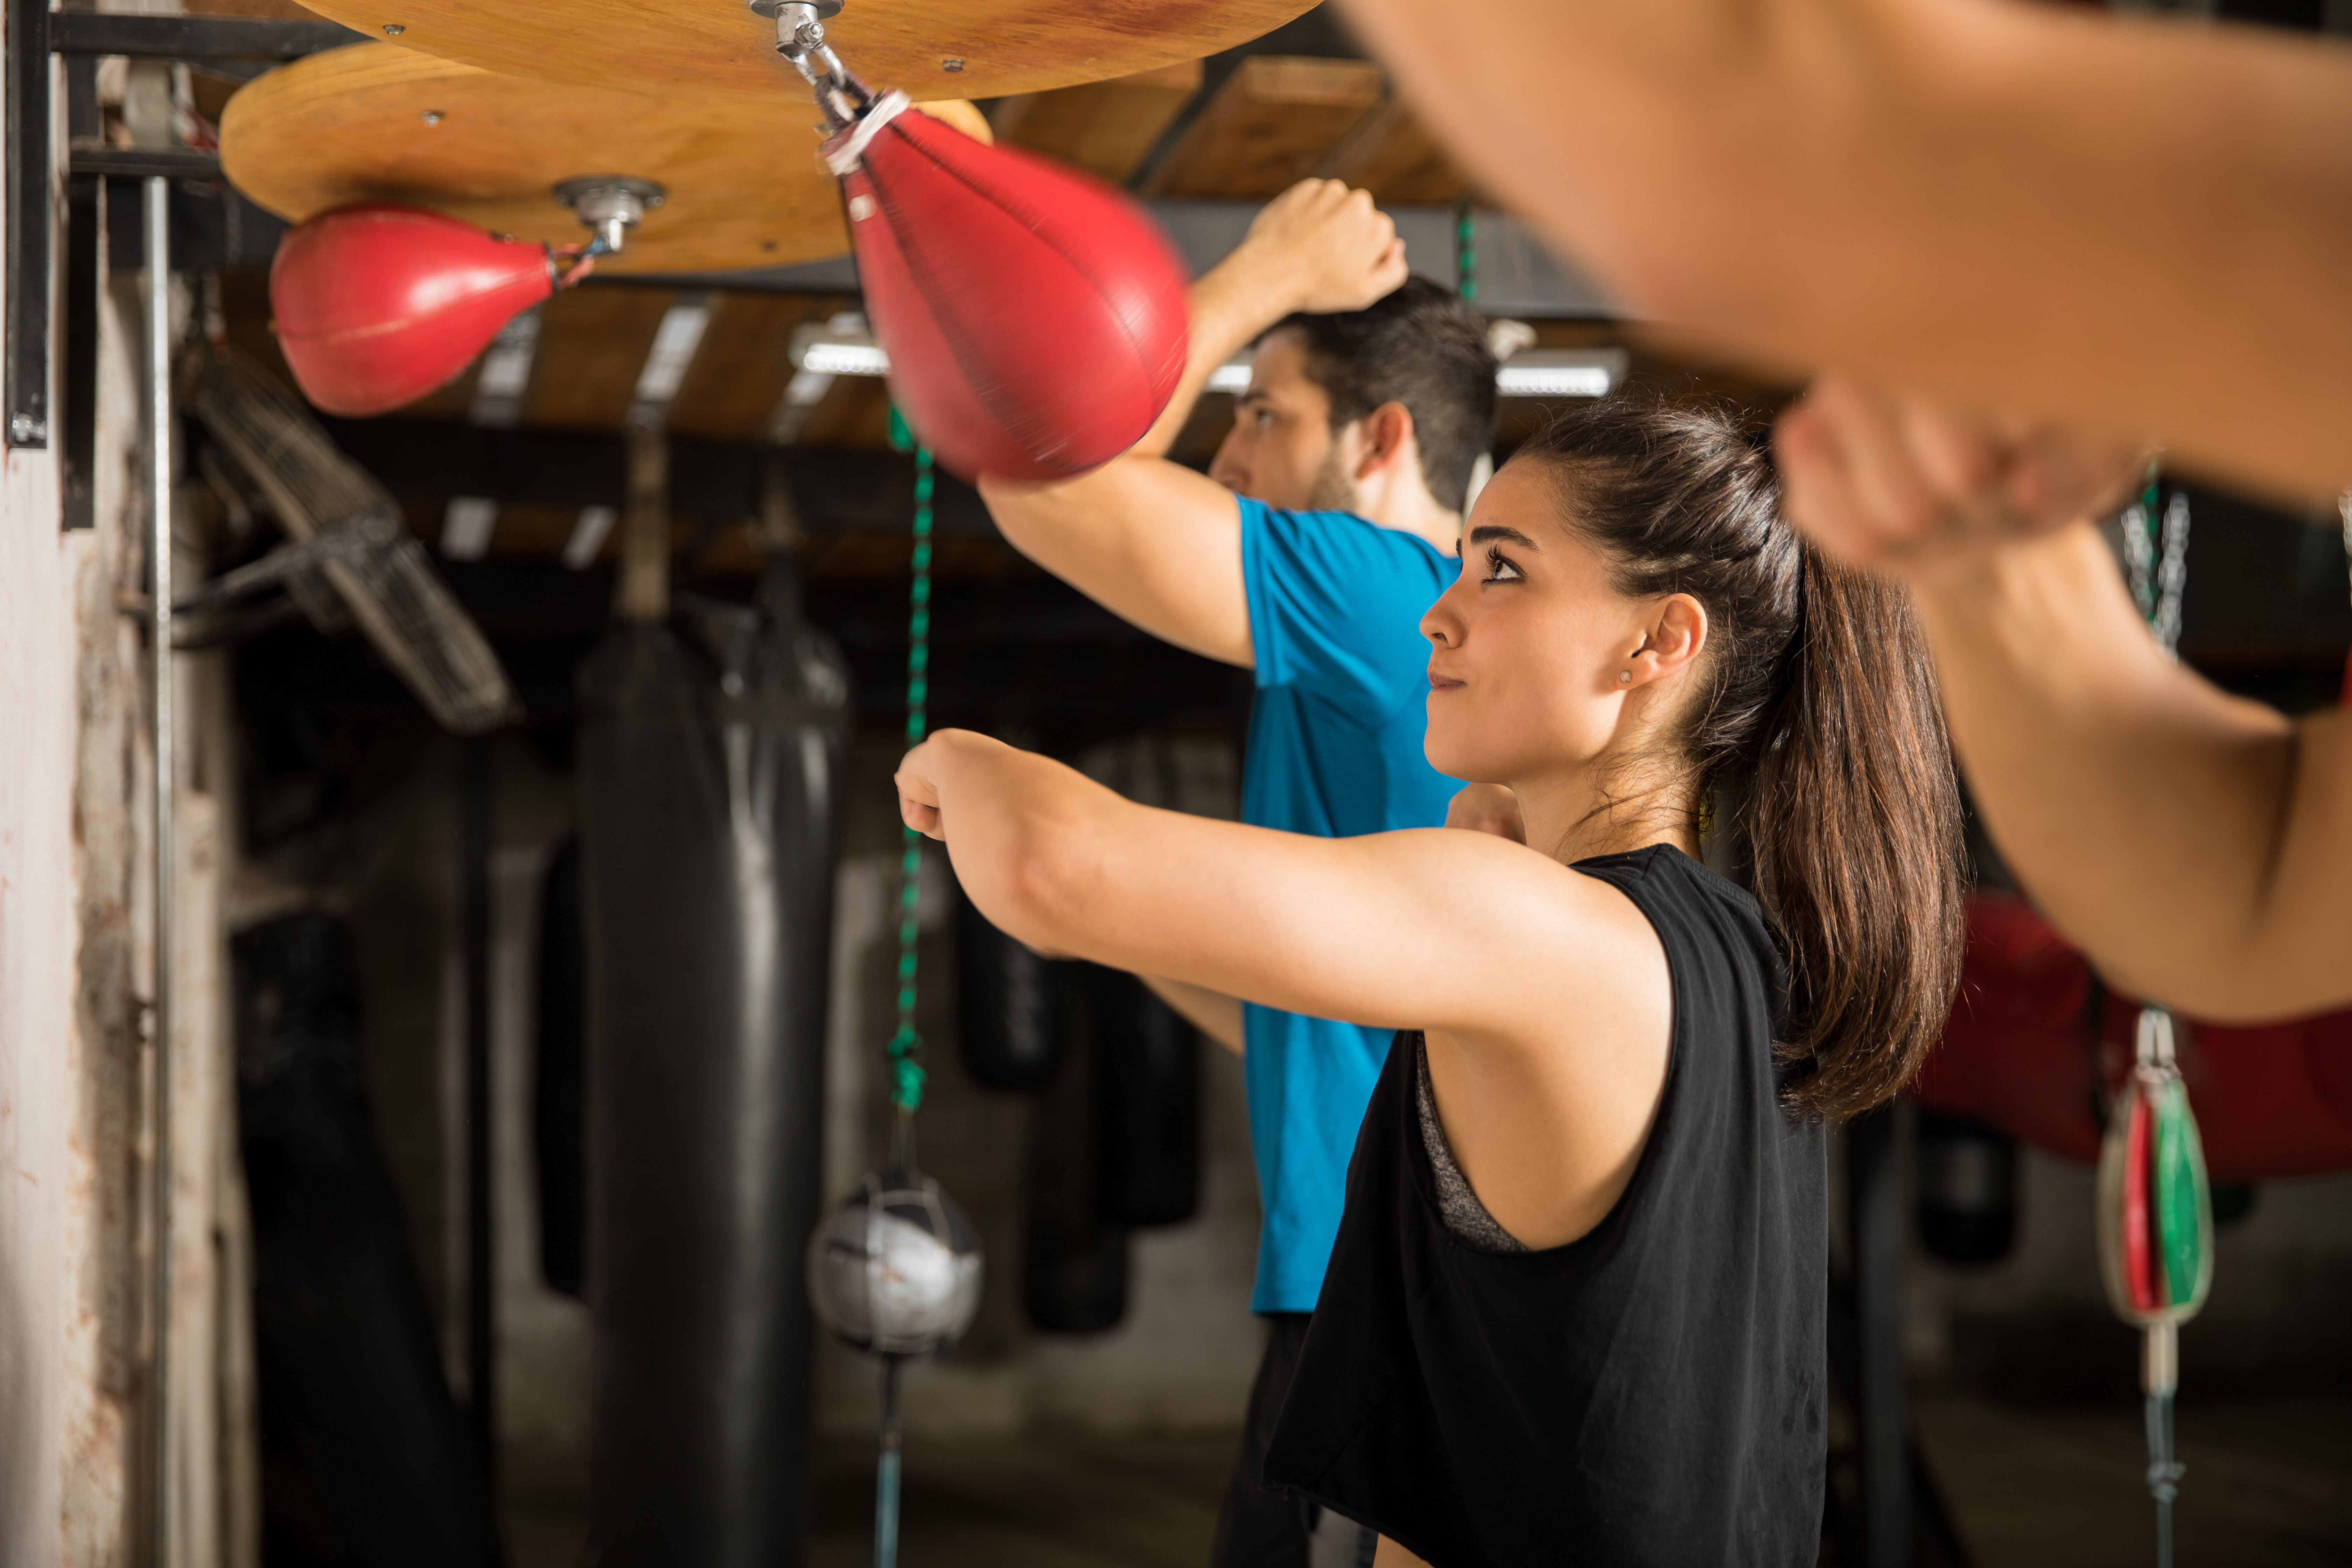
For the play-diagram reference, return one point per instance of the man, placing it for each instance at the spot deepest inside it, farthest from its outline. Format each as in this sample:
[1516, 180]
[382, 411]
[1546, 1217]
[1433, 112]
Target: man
[1326, 525]
[2198, 846]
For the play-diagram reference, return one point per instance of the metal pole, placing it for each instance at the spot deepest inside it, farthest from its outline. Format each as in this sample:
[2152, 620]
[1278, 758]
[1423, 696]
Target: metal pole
[159, 551]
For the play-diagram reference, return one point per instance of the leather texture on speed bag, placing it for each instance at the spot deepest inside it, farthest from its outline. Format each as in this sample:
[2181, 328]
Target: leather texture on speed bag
[711, 758]
[377, 305]
[1035, 316]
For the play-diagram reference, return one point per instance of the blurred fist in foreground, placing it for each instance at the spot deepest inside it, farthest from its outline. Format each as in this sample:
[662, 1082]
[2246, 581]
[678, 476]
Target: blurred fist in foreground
[1881, 478]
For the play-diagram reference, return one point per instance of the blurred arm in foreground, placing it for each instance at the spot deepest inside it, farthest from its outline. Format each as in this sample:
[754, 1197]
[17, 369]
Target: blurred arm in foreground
[2198, 846]
[2122, 225]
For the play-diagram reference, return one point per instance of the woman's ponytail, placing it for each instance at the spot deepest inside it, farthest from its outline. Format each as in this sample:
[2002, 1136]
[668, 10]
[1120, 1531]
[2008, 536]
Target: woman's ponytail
[1818, 702]
[1854, 824]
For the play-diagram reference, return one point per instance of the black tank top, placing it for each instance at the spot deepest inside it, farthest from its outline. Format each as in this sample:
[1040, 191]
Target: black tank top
[1650, 1393]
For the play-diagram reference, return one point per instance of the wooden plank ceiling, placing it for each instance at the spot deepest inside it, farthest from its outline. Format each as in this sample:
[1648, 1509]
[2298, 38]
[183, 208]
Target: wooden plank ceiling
[1266, 122]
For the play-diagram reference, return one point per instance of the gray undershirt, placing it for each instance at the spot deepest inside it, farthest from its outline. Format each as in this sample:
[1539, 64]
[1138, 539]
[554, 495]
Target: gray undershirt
[1464, 1214]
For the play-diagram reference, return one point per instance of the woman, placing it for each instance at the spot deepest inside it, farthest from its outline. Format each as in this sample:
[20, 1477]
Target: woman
[1576, 1308]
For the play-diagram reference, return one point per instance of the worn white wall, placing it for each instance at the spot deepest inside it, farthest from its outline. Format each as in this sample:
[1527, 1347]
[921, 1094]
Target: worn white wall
[37, 989]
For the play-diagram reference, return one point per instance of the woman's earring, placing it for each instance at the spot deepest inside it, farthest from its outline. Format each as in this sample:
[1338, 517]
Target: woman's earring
[1623, 676]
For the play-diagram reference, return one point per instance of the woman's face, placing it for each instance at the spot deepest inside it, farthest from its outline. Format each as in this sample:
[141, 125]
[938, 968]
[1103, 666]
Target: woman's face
[1528, 645]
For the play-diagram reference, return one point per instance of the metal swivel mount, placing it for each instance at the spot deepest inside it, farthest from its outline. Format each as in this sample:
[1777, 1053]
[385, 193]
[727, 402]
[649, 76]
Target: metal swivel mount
[610, 206]
[800, 38]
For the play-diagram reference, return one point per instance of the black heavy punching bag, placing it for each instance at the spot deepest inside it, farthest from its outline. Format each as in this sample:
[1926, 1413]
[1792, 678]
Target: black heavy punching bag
[1147, 1105]
[1006, 1019]
[352, 1386]
[711, 762]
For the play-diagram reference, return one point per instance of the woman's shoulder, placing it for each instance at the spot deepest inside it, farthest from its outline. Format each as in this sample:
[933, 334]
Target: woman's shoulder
[1692, 906]
[1669, 872]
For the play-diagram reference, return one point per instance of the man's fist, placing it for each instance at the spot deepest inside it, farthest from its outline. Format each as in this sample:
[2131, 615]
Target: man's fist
[1323, 249]
[1486, 808]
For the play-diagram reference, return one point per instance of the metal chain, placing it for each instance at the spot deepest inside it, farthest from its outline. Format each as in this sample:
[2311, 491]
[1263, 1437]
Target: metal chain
[2156, 557]
[906, 1045]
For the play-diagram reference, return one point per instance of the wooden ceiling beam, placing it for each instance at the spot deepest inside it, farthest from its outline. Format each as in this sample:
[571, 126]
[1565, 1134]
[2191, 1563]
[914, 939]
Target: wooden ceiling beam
[1267, 127]
[1105, 127]
[737, 381]
[1393, 155]
[591, 344]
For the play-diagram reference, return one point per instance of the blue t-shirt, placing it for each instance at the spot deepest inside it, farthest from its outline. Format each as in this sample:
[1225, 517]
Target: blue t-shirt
[1335, 608]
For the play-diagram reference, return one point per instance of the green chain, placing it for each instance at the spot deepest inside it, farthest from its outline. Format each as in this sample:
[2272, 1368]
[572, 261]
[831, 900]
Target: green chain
[1466, 260]
[2150, 516]
[907, 1046]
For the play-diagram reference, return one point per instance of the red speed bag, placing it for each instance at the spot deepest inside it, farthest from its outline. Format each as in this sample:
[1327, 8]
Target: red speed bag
[1035, 318]
[378, 305]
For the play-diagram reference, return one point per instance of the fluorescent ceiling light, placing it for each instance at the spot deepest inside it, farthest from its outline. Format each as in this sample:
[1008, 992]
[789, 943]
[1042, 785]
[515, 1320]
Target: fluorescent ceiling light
[844, 359]
[466, 526]
[674, 344]
[1561, 372]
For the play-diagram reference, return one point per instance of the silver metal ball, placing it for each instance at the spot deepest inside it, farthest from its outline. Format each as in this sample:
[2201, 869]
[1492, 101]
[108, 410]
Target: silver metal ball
[895, 1268]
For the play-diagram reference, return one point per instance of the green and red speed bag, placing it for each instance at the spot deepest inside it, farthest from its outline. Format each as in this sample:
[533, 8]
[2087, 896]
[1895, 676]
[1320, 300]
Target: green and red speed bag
[1035, 319]
[377, 305]
[2155, 1211]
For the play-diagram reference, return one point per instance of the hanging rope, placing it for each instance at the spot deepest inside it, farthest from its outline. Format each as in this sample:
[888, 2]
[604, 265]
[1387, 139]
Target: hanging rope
[906, 1045]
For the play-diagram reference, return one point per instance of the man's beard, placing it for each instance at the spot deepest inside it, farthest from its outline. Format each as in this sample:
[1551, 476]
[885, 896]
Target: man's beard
[1333, 490]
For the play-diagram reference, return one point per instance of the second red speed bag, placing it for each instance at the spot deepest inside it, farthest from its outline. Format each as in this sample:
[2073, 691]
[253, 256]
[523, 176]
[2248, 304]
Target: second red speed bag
[377, 305]
[1035, 318]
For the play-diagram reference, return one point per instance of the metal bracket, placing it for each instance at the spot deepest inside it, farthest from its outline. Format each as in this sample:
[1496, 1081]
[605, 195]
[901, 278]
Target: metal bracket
[31, 219]
[35, 35]
[800, 38]
[610, 206]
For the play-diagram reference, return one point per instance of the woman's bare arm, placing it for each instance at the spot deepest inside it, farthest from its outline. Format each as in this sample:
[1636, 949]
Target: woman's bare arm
[2136, 226]
[1459, 932]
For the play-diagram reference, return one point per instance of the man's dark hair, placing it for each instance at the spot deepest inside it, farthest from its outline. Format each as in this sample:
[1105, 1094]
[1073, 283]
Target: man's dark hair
[1424, 348]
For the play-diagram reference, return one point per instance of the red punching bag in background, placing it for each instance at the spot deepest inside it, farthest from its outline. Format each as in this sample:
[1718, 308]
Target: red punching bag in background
[1035, 318]
[2036, 1045]
[378, 305]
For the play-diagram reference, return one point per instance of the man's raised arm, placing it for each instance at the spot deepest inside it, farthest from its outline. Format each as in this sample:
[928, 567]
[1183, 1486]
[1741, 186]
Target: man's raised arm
[1148, 538]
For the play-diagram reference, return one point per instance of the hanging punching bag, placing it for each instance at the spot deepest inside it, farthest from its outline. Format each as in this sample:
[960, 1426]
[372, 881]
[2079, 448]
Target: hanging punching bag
[1148, 1101]
[711, 759]
[1005, 1015]
[353, 1397]
[2035, 1045]
[377, 305]
[1035, 316]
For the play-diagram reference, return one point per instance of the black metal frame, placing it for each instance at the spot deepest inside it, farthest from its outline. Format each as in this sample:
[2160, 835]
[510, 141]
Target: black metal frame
[32, 169]
[35, 35]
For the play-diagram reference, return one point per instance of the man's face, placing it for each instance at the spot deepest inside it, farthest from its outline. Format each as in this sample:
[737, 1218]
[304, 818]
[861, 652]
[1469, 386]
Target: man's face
[1281, 450]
